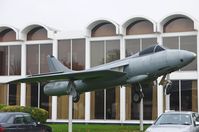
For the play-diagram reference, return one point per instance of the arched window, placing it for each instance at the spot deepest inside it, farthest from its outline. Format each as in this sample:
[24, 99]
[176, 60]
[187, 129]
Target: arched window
[103, 29]
[10, 64]
[179, 24]
[10, 55]
[180, 40]
[102, 51]
[139, 27]
[137, 39]
[38, 33]
[37, 51]
[7, 35]
[184, 93]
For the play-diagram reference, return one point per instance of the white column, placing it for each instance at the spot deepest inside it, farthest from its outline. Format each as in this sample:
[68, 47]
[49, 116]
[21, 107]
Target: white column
[167, 96]
[160, 90]
[23, 74]
[122, 88]
[87, 94]
[54, 98]
[141, 115]
[87, 105]
[160, 99]
[23, 95]
[70, 113]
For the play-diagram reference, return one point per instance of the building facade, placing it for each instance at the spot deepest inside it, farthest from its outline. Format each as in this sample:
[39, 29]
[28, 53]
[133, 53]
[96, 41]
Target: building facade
[24, 52]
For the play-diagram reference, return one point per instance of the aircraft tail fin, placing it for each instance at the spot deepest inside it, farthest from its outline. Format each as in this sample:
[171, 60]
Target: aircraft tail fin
[55, 65]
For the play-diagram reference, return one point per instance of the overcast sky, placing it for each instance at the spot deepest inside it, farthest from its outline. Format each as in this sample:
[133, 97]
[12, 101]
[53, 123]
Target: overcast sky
[56, 13]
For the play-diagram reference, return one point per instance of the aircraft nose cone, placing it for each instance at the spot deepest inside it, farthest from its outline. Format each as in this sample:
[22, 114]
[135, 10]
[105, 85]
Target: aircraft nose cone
[187, 56]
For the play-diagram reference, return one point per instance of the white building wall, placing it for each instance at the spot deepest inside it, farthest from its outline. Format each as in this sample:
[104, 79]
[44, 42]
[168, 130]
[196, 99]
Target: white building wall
[70, 19]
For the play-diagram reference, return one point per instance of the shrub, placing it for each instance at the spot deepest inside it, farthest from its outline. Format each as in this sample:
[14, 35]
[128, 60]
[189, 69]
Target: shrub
[2, 106]
[39, 114]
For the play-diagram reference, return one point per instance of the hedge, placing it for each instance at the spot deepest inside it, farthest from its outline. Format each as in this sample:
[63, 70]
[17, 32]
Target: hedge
[39, 114]
[2, 106]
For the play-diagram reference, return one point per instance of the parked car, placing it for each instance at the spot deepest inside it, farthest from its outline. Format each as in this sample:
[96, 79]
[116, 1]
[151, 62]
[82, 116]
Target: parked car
[20, 122]
[174, 121]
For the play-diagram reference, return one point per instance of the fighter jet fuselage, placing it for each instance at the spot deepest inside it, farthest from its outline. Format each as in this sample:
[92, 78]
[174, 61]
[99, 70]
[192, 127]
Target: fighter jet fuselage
[143, 67]
[138, 68]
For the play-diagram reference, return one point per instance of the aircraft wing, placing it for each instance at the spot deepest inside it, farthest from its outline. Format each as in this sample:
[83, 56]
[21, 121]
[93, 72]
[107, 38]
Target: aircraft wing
[76, 75]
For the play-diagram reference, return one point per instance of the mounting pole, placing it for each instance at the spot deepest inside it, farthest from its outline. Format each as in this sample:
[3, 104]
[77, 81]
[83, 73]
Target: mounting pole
[141, 115]
[70, 113]
[141, 110]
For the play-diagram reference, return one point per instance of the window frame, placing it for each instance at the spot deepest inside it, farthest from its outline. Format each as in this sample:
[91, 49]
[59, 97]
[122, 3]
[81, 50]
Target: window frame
[104, 39]
[183, 34]
[8, 44]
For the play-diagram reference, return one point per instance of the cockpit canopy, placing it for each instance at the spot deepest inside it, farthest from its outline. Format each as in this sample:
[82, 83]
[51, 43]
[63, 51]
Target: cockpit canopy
[151, 49]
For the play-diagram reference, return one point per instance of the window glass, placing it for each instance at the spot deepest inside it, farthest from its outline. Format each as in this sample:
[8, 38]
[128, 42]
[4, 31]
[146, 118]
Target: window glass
[32, 59]
[185, 43]
[11, 119]
[14, 94]
[189, 43]
[180, 24]
[148, 50]
[139, 27]
[28, 119]
[97, 97]
[3, 117]
[19, 120]
[37, 62]
[174, 119]
[7, 35]
[62, 107]
[15, 60]
[132, 46]
[150, 102]
[97, 104]
[146, 42]
[186, 100]
[171, 42]
[174, 96]
[78, 54]
[151, 49]
[45, 50]
[32, 94]
[159, 48]
[189, 95]
[3, 94]
[112, 95]
[102, 107]
[135, 45]
[38, 33]
[113, 103]
[71, 51]
[64, 55]
[103, 29]
[132, 112]
[45, 100]
[112, 50]
[4, 60]
[64, 52]
[79, 108]
[97, 53]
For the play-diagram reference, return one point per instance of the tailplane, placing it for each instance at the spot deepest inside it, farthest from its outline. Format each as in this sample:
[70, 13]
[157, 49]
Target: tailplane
[55, 65]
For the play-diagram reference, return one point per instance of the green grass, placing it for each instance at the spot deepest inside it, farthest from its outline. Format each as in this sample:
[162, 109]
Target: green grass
[96, 128]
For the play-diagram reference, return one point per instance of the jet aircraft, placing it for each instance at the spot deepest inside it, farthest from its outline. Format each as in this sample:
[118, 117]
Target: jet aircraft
[142, 67]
